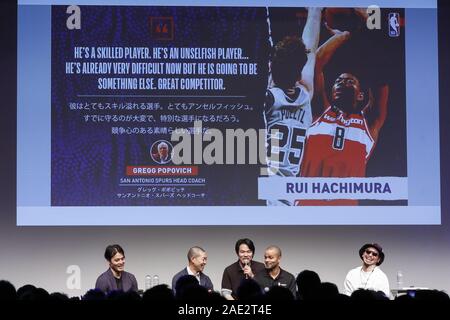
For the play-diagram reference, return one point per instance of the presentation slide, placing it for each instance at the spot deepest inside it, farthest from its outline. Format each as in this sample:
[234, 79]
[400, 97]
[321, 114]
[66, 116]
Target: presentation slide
[256, 113]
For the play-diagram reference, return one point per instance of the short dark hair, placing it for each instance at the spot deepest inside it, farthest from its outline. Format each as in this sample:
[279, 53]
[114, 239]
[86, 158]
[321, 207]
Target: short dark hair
[245, 241]
[288, 60]
[194, 252]
[308, 283]
[7, 291]
[112, 250]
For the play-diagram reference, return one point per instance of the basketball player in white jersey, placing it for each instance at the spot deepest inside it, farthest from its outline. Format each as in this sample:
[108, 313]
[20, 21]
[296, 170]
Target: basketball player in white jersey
[287, 110]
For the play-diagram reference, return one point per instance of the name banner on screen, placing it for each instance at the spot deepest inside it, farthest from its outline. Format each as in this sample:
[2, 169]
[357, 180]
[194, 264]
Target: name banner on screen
[385, 188]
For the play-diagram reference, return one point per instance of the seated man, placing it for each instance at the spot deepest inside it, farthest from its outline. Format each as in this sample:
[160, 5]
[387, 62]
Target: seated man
[273, 275]
[244, 268]
[197, 259]
[116, 278]
[369, 275]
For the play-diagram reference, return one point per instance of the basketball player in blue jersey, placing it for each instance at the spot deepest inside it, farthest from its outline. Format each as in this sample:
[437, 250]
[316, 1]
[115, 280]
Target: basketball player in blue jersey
[287, 110]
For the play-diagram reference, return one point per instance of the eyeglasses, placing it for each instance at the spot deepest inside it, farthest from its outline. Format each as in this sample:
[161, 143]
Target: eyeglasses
[373, 253]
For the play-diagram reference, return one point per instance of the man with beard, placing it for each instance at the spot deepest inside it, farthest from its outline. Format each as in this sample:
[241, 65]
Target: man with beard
[273, 275]
[341, 140]
[368, 276]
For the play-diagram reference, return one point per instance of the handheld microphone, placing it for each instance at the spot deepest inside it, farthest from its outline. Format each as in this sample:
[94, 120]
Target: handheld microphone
[246, 263]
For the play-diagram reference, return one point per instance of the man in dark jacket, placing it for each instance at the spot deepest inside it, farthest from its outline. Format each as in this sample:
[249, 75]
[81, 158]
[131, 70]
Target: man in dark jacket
[197, 259]
[116, 278]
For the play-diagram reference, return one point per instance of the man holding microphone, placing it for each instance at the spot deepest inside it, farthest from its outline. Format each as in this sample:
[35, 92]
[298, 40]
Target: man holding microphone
[244, 268]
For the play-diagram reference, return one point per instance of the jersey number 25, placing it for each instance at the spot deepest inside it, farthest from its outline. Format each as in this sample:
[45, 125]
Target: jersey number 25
[289, 140]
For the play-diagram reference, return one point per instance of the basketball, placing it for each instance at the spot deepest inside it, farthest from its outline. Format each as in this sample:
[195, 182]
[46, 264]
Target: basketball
[344, 19]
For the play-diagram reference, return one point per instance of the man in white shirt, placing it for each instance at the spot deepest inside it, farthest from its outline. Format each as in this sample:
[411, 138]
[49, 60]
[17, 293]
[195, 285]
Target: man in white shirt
[369, 275]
